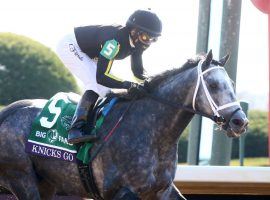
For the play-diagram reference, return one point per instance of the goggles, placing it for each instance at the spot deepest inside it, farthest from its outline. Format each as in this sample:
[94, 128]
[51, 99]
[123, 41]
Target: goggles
[146, 39]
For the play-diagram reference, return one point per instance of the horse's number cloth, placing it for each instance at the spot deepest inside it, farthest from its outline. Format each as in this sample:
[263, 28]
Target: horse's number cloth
[49, 130]
[48, 136]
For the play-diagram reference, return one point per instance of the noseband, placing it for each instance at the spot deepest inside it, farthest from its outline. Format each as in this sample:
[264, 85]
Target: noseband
[216, 117]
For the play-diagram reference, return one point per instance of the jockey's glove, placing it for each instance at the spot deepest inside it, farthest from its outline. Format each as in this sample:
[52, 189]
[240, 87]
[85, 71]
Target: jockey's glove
[136, 90]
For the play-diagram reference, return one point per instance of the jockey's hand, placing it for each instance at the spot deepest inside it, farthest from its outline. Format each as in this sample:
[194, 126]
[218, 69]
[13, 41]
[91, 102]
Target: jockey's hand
[136, 90]
[146, 85]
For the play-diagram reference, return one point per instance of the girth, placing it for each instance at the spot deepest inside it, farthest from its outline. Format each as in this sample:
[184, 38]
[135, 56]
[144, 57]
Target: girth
[88, 180]
[85, 170]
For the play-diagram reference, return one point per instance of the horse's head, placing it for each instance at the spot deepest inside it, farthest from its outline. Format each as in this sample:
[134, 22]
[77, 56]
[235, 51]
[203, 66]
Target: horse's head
[202, 86]
[214, 95]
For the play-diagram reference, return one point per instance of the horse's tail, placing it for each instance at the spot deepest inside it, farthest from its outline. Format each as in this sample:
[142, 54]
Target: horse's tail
[12, 108]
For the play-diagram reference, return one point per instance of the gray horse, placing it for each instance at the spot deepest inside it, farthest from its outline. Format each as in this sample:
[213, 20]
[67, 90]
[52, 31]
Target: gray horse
[142, 153]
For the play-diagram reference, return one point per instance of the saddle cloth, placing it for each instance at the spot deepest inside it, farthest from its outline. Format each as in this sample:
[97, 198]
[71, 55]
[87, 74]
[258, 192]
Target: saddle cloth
[48, 137]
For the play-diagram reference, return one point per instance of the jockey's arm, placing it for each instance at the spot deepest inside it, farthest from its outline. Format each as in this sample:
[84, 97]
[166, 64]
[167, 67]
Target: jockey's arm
[137, 66]
[105, 61]
[104, 77]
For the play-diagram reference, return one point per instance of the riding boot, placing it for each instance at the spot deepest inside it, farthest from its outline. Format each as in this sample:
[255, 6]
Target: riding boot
[76, 134]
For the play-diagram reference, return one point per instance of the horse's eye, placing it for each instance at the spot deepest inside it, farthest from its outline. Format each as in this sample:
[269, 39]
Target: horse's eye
[213, 85]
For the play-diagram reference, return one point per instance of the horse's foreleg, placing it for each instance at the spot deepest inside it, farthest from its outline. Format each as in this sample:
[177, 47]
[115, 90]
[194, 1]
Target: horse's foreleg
[46, 190]
[125, 194]
[175, 194]
[23, 185]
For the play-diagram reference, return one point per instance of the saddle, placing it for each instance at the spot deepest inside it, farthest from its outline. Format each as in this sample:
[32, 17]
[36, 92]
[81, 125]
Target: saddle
[101, 108]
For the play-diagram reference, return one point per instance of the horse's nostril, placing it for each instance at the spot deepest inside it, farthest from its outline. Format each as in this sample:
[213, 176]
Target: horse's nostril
[238, 122]
[246, 124]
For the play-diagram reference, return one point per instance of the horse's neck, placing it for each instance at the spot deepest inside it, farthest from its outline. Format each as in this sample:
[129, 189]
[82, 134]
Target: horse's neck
[178, 90]
[168, 123]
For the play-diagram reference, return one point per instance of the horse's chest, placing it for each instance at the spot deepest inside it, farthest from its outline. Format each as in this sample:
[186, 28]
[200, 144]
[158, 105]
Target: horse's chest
[141, 169]
[153, 181]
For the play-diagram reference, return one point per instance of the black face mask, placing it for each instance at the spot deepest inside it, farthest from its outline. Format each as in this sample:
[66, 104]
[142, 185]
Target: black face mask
[139, 45]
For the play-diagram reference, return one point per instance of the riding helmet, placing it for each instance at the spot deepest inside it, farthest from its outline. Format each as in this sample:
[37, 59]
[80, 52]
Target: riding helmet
[146, 21]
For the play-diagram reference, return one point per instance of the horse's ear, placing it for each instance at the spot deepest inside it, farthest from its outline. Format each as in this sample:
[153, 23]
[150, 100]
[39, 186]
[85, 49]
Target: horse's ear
[209, 58]
[224, 60]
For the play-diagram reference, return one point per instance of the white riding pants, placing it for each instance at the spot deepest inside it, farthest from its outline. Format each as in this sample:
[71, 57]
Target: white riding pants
[79, 64]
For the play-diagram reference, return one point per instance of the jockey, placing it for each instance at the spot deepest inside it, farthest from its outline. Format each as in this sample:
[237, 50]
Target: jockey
[89, 53]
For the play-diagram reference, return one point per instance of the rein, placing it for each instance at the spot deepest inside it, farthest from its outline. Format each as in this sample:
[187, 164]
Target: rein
[181, 107]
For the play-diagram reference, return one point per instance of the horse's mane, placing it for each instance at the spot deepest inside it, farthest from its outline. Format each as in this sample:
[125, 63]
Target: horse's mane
[153, 81]
[190, 63]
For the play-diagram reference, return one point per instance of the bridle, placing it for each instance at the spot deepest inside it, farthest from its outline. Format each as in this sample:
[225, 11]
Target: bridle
[215, 108]
[216, 117]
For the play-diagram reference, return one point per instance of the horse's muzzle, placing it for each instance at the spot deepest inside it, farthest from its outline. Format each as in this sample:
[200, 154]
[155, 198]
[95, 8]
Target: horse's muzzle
[237, 124]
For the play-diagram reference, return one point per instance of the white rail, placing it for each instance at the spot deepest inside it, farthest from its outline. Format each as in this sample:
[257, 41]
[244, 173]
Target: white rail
[223, 180]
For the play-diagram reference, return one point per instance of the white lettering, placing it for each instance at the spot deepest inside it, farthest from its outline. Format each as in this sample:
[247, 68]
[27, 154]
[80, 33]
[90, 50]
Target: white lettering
[68, 156]
[109, 49]
[56, 111]
[41, 150]
[48, 152]
[58, 154]
[63, 140]
[34, 148]
[40, 134]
